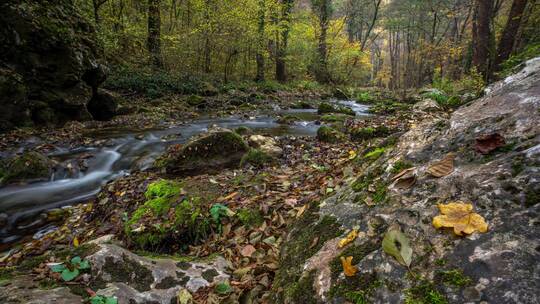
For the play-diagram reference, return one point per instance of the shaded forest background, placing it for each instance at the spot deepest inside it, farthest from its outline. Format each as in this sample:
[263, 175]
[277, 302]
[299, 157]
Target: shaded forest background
[391, 44]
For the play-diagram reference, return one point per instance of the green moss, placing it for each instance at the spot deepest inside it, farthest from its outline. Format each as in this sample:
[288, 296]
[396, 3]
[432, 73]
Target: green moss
[400, 165]
[301, 105]
[29, 165]
[307, 236]
[325, 108]
[6, 275]
[256, 158]
[302, 291]
[517, 166]
[288, 119]
[454, 277]
[532, 197]
[329, 135]
[375, 154]
[424, 293]
[167, 215]
[31, 262]
[369, 132]
[243, 130]
[387, 107]
[194, 100]
[249, 217]
[47, 284]
[379, 196]
[334, 117]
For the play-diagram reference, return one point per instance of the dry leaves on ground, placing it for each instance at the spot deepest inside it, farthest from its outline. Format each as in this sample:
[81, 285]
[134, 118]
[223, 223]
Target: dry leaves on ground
[443, 167]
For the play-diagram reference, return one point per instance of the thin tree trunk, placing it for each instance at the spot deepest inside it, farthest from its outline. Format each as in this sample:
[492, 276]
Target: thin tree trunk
[323, 12]
[483, 37]
[259, 57]
[508, 38]
[281, 44]
[154, 33]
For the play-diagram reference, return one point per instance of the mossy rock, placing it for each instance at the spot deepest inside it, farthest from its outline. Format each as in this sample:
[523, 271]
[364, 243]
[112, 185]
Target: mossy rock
[288, 119]
[256, 158]
[334, 117]
[301, 105]
[325, 108]
[208, 153]
[208, 89]
[28, 166]
[369, 132]
[167, 217]
[329, 135]
[195, 100]
[243, 130]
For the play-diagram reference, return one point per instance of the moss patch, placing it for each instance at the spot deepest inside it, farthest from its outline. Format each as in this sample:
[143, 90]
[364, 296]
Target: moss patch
[329, 135]
[375, 154]
[325, 108]
[424, 292]
[369, 132]
[400, 165]
[454, 277]
[256, 158]
[30, 165]
[249, 217]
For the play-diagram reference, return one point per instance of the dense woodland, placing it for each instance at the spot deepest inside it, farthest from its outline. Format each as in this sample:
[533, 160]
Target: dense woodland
[269, 151]
[393, 44]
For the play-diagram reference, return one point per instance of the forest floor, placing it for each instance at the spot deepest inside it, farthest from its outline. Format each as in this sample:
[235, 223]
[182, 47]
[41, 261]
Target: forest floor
[270, 198]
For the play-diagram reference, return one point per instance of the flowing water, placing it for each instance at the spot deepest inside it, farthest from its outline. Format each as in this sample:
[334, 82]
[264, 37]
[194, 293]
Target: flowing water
[83, 171]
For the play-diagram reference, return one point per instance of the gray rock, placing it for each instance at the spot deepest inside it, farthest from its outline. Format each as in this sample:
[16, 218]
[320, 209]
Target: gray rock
[24, 290]
[136, 279]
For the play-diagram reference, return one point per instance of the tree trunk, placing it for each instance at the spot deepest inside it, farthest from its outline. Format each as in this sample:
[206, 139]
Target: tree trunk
[154, 33]
[508, 38]
[281, 44]
[259, 57]
[482, 50]
[321, 70]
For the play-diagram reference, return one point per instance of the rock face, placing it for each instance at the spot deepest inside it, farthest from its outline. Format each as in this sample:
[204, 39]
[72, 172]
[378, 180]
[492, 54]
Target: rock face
[499, 266]
[208, 153]
[50, 66]
[135, 279]
[30, 166]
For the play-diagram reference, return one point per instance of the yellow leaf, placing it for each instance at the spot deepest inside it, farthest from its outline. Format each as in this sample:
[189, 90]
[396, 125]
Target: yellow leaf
[460, 216]
[348, 239]
[348, 268]
[352, 154]
[75, 242]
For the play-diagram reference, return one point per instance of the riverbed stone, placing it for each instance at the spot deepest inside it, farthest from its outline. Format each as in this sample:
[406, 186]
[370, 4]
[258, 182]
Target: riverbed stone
[29, 166]
[498, 266]
[23, 290]
[266, 144]
[208, 153]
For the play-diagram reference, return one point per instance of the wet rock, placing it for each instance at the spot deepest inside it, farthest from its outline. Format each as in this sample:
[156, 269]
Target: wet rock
[136, 279]
[103, 105]
[29, 166]
[329, 134]
[325, 108]
[208, 153]
[266, 144]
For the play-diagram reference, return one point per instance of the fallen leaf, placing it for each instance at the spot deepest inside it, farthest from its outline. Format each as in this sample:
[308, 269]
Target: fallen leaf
[248, 250]
[489, 142]
[349, 269]
[405, 179]
[184, 297]
[301, 210]
[396, 244]
[75, 242]
[348, 239]
[352, 154]
[443, 167]
[460, 216]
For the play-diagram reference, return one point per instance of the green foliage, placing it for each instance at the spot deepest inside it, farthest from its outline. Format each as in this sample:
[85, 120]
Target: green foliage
[223, 288]
[219, 211]
[242, 130]
[510, 65]
[256, 158]
[70, 271]
[365, 97]
[97, 299]
[387, 107]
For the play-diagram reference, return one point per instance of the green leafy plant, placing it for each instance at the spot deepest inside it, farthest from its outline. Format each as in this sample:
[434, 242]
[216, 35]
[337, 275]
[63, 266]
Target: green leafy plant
[70, 271]
[223, 288]
[97, 299]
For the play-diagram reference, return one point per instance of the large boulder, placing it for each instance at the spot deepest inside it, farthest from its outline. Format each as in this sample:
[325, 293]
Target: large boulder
[29, 166]
[103, 105]
[208, 153]
[50, 66]
[494, 145]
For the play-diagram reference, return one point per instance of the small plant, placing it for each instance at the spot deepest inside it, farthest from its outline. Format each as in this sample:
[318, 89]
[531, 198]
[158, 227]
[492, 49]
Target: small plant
[70, 271]
[375, 154]
[223, 288]
[365, 97]
[97, 299]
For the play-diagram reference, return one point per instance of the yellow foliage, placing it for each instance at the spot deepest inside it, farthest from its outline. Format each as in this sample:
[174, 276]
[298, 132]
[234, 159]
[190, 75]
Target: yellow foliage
[348, 239]
[349, 269]
[461, 217]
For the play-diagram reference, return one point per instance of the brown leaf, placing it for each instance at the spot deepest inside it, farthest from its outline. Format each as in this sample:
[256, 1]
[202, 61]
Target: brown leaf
[489, 142]
[443, 167]
[248, 250]
[405, 179]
